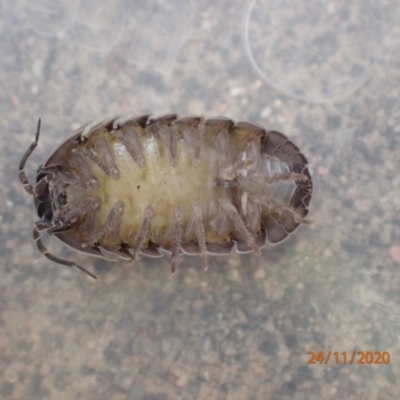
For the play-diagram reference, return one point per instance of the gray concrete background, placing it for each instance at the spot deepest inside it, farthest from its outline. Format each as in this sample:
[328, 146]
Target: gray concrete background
[326, 73]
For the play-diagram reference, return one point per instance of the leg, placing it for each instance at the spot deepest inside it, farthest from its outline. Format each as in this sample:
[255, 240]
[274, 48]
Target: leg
[21, 172]
[176, 231]
[280, 210]
[36, 236]
[251, 211]
[79, 162]
[250, 161]
[88, 206]
[129, 137]
[102, 155]
[169, 137]
[199, 231]
[239, 224]
[144, 230]
[223, 145]
[221, 224]
[192, 129]
[88, 228]
[283, 176]
[111, 223]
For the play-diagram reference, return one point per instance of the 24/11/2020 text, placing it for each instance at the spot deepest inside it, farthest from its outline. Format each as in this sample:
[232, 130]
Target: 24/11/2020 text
[355, 357]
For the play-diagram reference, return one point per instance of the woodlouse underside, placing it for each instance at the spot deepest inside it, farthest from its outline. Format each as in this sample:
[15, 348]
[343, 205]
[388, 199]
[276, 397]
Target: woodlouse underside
[128, 186]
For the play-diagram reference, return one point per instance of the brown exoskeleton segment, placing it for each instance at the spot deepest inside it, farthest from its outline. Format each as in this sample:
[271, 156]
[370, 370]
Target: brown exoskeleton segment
[130, 186]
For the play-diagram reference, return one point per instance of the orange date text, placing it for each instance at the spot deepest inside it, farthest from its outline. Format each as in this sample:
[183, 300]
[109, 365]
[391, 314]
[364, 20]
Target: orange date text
[353, 357]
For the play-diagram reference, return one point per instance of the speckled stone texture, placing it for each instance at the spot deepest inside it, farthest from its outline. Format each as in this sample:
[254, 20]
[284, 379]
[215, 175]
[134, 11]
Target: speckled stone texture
[243, 329]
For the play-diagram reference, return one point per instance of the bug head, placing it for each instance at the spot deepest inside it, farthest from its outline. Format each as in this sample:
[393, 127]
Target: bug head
[40, 191]
[54, 192]
[41, 196]
[52, 195]
[59, 196]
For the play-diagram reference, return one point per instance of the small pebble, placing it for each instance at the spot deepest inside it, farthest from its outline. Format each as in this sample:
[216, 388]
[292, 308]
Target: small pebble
[394, 252]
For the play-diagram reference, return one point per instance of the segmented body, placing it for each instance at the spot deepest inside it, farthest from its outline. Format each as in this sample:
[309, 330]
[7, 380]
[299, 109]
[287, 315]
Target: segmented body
[129, 186]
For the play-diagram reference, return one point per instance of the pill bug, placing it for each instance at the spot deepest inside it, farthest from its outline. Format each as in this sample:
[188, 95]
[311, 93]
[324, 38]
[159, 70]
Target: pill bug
[127, 186]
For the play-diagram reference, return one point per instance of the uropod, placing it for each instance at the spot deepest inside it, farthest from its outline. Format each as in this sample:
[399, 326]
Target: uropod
[127, 186]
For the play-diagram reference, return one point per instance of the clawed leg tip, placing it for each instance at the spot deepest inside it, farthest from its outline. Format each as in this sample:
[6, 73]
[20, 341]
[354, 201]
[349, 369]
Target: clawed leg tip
[86, 271]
